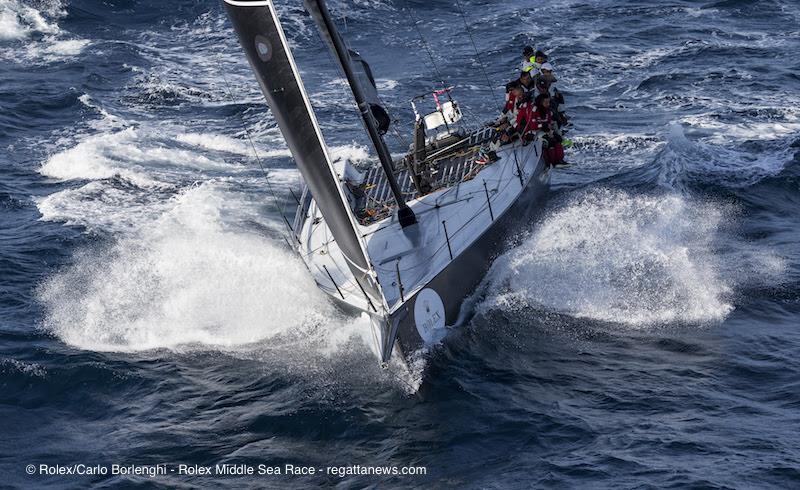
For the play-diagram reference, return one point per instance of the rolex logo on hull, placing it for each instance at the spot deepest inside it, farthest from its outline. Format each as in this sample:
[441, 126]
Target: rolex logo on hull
[429, 316]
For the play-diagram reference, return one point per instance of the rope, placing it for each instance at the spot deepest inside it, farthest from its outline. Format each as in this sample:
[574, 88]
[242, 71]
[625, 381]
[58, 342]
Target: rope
[427, 48]
[399, 137]
[464, 110]
[253, 147]
[477, 54]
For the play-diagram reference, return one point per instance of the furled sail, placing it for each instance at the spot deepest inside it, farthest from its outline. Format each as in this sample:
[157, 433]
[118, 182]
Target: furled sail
[354, 72]
[364, 74]
[261, 35]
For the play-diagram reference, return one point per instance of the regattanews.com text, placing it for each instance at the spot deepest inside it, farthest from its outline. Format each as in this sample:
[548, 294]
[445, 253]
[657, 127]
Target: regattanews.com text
[220, 470]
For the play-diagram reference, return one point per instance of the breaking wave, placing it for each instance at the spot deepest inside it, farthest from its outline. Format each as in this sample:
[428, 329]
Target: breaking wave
[183, 280]
[18, 20]
[611, 256]
[683, 161]
[46, 40]
[130, 153]
[190, 282]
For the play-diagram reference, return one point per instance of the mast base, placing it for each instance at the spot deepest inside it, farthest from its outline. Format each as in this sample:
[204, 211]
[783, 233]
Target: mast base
[406, 217]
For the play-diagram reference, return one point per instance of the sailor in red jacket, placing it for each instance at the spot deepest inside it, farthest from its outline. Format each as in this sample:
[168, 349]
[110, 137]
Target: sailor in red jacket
[541, 121]
[507, 122]
[525, 122]
[513, 92]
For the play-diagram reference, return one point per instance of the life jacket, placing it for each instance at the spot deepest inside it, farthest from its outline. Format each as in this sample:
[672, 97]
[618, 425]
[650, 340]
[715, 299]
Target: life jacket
[530, 65]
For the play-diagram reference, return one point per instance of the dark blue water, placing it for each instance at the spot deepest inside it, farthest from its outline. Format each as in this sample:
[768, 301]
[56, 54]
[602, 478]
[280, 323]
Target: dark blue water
[643, 335]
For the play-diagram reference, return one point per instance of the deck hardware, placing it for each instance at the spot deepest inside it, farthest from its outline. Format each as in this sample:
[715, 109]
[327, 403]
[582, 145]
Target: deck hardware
[334, 282]
[399, 281]
[488, 201]
[447, 237]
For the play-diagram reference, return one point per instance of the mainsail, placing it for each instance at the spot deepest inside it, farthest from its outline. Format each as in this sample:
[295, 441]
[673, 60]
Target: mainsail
[262, 38]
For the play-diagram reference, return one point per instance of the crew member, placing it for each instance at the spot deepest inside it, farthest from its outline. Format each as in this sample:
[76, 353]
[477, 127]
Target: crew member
[529, 60]
[526, 80]
[510, 123]
[545, 78]
[542, 122]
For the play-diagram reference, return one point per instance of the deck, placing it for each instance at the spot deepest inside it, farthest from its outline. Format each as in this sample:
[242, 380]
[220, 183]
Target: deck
[447, 167]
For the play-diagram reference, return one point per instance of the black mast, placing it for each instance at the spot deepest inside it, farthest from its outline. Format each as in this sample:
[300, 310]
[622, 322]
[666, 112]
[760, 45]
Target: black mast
[322, 17]
[267, 50]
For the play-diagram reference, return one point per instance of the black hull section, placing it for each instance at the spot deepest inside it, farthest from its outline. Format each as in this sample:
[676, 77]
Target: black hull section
[464, 274]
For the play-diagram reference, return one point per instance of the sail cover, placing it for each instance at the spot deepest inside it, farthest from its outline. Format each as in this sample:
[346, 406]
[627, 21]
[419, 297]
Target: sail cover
[265, 45]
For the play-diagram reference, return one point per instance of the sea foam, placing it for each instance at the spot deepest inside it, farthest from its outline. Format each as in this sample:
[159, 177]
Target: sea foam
[184, 279]
[611, 256]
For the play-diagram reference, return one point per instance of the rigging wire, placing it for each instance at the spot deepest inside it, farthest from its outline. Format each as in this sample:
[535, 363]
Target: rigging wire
[348, 96]
[477, 53]
[480, 62]
[270, 188]
[397, 135]
[416, 21]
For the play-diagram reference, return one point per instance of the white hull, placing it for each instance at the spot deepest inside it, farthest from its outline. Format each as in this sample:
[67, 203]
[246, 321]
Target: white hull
[460, 227]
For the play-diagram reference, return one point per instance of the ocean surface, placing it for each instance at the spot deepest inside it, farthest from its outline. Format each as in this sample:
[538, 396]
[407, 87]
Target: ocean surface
[645, 333]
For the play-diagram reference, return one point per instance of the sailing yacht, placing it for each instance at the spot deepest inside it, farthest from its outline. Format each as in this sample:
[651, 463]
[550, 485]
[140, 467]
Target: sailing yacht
[406, 242]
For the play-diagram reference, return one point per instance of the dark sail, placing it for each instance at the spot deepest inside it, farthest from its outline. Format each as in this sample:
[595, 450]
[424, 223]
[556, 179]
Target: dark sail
[264, 43]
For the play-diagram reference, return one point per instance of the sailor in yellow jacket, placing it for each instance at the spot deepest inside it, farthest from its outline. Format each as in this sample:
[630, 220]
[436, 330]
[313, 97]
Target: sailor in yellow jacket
[529, 61]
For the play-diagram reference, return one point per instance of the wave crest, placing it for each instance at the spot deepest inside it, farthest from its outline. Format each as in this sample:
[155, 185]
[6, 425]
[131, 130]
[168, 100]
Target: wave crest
[611, 256]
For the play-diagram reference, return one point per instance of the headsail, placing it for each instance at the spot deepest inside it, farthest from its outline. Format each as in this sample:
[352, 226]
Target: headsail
[262, 38]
